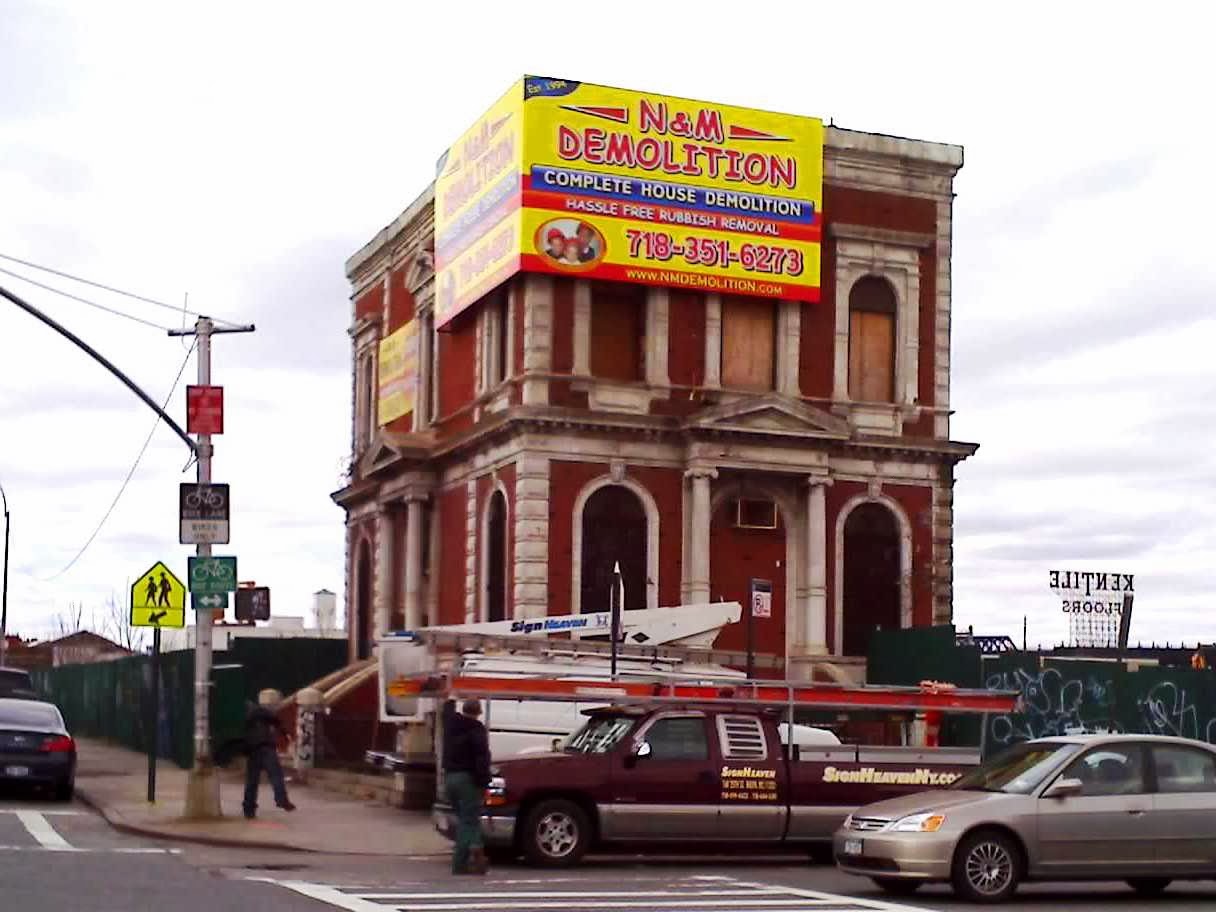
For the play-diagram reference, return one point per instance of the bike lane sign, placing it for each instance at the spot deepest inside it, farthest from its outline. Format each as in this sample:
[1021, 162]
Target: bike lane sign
[202, 511]
[158, 599]
[212, 575]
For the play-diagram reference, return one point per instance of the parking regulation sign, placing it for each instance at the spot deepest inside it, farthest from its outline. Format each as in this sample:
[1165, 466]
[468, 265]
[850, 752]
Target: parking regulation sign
[202, 512]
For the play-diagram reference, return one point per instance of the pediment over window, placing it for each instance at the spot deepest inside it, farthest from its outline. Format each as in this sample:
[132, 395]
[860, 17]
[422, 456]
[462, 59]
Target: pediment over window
[388, 448]
[770, 415]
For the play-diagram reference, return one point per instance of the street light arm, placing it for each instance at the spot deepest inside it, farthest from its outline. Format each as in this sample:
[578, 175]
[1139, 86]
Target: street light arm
[101, 359]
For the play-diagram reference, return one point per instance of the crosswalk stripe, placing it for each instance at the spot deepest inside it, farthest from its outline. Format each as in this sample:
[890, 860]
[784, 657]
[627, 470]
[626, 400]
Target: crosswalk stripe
[45, 812]
[77, 849]
[704, 894]
[40, 828]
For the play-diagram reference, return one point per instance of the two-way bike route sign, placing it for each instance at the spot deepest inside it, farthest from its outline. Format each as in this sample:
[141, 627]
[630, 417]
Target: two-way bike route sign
[212, 576]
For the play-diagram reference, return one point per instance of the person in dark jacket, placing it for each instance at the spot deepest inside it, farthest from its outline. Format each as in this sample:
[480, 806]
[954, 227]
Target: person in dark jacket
[262, 732]
[466, 773]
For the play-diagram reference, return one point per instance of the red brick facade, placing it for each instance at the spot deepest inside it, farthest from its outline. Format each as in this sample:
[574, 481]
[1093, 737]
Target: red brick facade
[613, 439]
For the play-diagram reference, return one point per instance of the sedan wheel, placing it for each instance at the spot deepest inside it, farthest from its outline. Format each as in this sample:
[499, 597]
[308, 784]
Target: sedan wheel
[986, 867]
[1148, 886]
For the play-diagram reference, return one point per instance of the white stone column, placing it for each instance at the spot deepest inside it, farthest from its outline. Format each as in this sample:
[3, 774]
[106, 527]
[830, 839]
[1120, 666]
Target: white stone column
[698, 531]
[413, 560]
[582, 329]
[538, 338]
[383, 597]
[817, 565]
[531, 557]
[713, 340]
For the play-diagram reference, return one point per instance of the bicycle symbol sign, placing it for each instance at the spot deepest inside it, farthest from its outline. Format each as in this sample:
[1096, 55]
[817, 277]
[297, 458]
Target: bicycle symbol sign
[203, 514]
[212, 575]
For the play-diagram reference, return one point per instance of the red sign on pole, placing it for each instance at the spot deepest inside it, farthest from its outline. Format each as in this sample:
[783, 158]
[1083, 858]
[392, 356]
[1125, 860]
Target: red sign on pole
[205, 409]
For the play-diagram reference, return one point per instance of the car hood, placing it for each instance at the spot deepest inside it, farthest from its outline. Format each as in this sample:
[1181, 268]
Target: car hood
[924, 802]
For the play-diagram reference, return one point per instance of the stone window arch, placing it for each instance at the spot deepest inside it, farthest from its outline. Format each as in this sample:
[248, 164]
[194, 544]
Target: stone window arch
[648, 579]
[873, 319]
[903, 529]
[494, 599]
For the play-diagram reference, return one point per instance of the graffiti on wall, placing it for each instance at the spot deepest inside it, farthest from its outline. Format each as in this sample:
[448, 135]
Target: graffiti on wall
[1052, 704]
[1168, 708]
[1055, 701]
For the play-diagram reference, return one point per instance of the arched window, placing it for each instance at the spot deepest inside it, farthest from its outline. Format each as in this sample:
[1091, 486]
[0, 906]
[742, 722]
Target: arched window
[496, 559]
[363, 604]
[872, 567]
[872, 309]
[614, 531]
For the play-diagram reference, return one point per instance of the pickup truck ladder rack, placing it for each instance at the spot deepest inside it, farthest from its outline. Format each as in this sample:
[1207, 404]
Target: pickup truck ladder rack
[444, 641]
[928, 697]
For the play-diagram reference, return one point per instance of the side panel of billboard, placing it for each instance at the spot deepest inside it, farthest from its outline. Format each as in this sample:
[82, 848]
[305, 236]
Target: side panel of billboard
[477, 199]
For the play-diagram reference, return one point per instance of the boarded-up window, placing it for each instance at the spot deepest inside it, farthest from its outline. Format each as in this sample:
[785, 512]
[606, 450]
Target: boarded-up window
[872, 341]
[749, 334]
[618, 330]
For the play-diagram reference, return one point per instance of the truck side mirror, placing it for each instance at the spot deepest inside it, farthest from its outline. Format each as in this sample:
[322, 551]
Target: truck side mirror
[637, 751]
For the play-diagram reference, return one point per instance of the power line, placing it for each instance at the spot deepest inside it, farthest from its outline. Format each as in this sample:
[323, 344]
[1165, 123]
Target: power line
[130, 474]
[68, 294]
[117, 291]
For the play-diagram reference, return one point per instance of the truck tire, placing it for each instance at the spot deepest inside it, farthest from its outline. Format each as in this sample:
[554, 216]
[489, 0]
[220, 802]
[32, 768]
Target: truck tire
[897, 886]
[987, 867]
[556, 833]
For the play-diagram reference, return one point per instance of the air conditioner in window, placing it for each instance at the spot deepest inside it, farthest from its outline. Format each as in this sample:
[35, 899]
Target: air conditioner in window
[755, 514]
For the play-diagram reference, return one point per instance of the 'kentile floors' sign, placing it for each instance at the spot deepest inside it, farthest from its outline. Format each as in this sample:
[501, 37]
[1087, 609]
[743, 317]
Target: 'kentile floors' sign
[1087, 592]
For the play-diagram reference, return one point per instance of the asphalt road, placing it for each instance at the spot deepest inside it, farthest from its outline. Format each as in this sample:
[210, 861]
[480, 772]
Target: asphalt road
[63, 858]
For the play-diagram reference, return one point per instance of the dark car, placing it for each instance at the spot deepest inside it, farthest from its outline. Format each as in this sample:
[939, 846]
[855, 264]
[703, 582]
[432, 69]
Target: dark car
[16, 682]
[35, 747]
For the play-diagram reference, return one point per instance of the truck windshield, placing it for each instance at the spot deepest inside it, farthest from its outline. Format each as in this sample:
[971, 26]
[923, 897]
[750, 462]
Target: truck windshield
[1019, 770]
[599, 735]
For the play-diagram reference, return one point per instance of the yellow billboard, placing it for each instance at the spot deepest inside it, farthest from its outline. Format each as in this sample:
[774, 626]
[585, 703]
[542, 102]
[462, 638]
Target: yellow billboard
[398, 375]
[630, 186]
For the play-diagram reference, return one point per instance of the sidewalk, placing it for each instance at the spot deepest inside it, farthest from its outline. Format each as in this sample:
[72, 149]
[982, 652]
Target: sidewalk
[114, 781]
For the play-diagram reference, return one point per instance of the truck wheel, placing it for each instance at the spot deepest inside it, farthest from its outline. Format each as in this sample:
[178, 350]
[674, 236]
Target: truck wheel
[897, 886]
[987, 867]
[556, 833]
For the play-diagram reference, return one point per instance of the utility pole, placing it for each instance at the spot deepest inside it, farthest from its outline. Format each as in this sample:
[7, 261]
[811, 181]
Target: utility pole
[4, 596]
[203, 785]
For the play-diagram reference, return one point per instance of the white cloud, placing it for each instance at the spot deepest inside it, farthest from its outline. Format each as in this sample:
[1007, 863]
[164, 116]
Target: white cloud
[241, 151]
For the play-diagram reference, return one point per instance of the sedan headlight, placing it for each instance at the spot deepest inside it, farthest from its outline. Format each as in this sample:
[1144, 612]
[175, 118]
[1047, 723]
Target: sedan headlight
[919, 823]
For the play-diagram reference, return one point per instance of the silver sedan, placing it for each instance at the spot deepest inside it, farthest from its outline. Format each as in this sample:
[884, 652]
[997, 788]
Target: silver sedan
[1136, 808]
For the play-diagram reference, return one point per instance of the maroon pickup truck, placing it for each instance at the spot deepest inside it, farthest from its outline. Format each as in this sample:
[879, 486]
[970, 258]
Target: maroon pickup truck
[645, 777]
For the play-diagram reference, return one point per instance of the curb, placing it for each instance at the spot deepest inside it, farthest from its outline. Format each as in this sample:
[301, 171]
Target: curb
[118, 822]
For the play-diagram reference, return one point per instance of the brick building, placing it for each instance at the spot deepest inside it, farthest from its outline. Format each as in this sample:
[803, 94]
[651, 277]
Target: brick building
[563, 424]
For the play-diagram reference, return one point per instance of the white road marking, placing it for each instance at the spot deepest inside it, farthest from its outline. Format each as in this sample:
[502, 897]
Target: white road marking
[77, 849]
[40, 828]
[699, 897]
[47, 812]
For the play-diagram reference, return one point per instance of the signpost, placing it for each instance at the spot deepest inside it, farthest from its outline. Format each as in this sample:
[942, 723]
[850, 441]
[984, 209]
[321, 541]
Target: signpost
[204, 409]
[158, 599]
[759, 605]
[202, 512]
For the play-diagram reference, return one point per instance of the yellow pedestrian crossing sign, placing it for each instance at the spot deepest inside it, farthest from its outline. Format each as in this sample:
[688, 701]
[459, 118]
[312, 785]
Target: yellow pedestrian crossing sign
[158, 599]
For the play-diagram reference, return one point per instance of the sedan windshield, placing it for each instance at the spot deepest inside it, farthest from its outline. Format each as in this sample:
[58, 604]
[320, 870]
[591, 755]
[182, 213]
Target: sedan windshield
[37, 715]
[1019, 770]
[599, 735]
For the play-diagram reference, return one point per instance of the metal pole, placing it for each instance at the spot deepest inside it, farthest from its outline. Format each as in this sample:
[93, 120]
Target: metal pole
[203, 792]
[154, 740]
[203, 785]
[4, 597]
[614, 601]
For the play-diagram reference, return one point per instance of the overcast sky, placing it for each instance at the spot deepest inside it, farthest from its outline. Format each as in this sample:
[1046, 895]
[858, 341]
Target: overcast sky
[240, 152]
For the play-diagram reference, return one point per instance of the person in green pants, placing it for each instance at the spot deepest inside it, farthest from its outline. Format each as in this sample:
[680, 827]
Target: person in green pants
[466, 773]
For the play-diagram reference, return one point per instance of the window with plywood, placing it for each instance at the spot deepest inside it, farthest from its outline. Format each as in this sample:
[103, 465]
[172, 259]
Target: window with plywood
[872, 308]
[749, 343]
[618, 331]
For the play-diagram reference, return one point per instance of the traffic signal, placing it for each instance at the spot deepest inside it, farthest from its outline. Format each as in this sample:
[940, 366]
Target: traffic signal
[253, 604]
